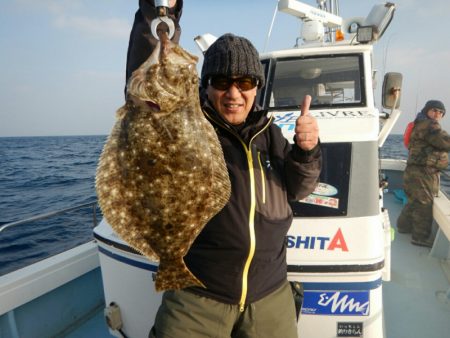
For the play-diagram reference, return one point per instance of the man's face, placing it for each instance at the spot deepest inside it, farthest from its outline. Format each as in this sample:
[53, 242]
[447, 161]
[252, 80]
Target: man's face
[435, 114]
[233, 97]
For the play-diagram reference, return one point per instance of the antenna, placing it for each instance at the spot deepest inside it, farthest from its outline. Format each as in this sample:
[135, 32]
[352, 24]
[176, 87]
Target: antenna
[271, 26]
[315, 20]
[386, 50]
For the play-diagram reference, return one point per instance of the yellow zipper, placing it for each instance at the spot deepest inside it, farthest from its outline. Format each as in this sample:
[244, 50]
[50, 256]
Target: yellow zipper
[263, 179]
[251, 218]
[251, 224]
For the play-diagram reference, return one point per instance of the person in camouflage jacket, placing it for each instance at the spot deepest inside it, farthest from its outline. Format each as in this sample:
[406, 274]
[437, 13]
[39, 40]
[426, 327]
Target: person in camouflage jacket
[428, 154]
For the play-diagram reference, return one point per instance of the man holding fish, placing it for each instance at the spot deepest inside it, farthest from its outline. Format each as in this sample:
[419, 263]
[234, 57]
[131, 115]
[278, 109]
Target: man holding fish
[240, 254]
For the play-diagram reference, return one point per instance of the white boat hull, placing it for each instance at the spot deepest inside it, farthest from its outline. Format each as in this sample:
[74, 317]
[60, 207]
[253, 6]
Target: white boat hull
[128, 281]
[333, 301]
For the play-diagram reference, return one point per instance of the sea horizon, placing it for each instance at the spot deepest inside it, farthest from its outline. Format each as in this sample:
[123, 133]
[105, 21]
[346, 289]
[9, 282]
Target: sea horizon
[70, 135]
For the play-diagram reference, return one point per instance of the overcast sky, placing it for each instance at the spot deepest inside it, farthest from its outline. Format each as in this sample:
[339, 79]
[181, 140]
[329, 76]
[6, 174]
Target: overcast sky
[62, 62]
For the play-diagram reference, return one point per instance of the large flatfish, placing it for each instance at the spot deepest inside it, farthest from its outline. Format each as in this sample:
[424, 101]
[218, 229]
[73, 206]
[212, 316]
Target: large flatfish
[162, 174]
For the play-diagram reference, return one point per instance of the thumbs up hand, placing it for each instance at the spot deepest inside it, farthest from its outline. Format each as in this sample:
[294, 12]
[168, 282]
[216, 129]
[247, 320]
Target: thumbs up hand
[306, 127]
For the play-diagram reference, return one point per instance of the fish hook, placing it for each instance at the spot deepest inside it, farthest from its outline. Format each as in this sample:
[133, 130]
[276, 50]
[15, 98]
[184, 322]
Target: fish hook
[168, 21]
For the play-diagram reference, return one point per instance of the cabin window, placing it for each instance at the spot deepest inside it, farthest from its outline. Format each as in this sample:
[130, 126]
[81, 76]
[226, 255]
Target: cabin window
[331, 196]
[332, 81]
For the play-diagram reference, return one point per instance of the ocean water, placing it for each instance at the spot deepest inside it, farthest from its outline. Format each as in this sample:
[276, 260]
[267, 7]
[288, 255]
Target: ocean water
[40, 175]
[44, 174]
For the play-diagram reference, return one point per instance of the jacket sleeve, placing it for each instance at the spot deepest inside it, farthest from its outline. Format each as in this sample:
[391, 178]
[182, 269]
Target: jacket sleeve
[142, 43]
[301, 168]
[438, 137]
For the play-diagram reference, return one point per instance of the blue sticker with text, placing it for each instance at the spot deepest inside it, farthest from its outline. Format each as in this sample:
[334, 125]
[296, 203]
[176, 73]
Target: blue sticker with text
[338, 303]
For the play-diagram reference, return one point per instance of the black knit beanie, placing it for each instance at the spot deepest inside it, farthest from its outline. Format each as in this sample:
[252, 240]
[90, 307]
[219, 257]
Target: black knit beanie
[232, 55]
[433, 104]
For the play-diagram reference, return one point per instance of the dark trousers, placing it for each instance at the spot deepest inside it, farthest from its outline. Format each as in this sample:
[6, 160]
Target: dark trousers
[183, 314]
[421, 185]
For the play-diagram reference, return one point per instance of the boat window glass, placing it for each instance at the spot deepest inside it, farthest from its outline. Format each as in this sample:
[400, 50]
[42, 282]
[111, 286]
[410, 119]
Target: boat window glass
[335, 80]
[331, 196]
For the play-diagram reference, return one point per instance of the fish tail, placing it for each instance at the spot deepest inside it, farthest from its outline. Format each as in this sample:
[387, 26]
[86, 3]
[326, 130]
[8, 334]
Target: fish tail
[174, 276]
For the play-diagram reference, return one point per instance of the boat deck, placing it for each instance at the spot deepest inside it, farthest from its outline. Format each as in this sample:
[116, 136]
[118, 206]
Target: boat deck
[94, 327]
[415, 300]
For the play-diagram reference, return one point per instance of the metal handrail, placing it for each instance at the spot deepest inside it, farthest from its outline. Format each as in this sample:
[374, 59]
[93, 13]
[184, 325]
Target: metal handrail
[53, 213]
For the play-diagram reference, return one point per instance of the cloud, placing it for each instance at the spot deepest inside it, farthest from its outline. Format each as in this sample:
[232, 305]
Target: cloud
[55, 7]
[94, 27]
[423, 9]
[70, 14]
[414, 58]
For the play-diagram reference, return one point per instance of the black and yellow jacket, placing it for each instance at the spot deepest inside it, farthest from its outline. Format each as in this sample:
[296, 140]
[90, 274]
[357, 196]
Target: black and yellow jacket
[240, 255]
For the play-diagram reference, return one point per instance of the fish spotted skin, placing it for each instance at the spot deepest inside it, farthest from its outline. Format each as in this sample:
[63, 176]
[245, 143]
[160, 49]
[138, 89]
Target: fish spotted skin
[162, 174]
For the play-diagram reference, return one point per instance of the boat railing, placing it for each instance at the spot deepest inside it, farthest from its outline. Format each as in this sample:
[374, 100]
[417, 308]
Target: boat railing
[93, 205]
[445, 183]
[445, 174]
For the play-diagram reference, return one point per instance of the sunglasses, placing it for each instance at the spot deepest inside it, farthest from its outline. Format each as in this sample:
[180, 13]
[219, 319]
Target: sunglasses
[437, 110]
[243, 83]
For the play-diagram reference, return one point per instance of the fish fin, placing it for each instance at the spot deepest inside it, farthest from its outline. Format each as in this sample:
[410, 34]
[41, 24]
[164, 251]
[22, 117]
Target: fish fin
[173, 275]
[121, 112]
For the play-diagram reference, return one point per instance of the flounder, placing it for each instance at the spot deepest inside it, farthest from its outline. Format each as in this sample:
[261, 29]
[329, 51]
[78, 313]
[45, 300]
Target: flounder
[162, 174]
